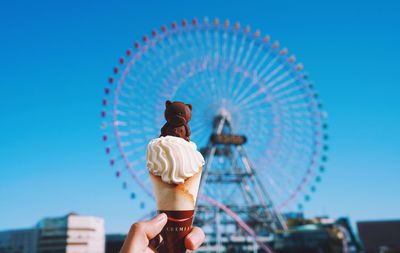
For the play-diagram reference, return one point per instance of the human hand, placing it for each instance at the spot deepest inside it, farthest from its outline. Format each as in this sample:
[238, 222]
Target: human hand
[143, 237]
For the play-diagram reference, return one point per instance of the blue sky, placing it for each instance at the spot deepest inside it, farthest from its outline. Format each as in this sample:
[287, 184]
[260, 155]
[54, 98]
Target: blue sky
[56, 56]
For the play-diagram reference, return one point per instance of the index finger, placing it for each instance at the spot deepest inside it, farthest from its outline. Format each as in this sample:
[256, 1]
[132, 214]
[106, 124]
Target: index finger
[195, 238]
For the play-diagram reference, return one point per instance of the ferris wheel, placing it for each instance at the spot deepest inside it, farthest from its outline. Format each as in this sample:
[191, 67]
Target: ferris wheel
[221, 69]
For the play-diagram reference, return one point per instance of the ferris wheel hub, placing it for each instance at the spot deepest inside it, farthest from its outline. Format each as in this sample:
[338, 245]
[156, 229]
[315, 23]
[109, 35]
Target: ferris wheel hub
[224, 113]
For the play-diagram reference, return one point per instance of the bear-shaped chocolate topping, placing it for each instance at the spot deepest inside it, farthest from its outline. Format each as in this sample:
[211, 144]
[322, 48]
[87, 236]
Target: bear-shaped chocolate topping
[178, 115]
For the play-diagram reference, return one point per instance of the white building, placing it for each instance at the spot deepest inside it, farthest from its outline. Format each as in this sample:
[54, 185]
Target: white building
[71, 234]
[19, 241]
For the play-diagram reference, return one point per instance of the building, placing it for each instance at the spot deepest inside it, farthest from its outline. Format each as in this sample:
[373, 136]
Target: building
[308, 238]
[114, 242]
[317, 235]
[380, 236]
[71, 234]
[19, 241]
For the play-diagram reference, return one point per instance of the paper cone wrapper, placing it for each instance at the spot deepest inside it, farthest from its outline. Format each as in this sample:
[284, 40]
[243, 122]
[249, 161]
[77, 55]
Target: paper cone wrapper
[178, 202]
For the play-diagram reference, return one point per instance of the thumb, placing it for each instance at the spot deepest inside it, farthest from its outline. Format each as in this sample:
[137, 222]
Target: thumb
[154, 226]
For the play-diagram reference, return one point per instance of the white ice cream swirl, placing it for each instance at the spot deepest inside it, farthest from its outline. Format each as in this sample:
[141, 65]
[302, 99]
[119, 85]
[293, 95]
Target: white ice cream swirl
[173, 159]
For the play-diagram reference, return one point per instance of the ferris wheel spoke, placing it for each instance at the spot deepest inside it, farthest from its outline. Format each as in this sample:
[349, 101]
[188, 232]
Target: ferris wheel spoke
[267, 67]
[240, 68]
[263, 60]
[199, 88]
[279, 191]
[272, 186]
[217, 61]
[224, 62]
[252, 97]
[257, 57]
[232, 49]
[207, 41]
[277, 80]
[224, 44]
[196, 44]
[213, 85]
[301, 149]
[199, 130]
[244, 98]
[240, 51]
[232, 56]
[272, 73]
[287, 84]
[134, 151]
[296, 99]
[216, 47]
[158, 60]
[208, 86]
[253, 72]
[201, 42]
[287, 180]
[248, 53]
[244, 91]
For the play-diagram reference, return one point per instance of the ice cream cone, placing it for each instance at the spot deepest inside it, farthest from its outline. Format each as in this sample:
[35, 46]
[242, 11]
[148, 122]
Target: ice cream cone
[175, 167]
[178, 201]
[174, 197]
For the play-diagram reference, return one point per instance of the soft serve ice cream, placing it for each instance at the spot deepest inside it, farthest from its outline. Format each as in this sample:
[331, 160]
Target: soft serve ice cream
[175, 168]
[173, 159]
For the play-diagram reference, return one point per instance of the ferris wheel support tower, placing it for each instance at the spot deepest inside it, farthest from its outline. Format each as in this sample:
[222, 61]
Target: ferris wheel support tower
[229, 168]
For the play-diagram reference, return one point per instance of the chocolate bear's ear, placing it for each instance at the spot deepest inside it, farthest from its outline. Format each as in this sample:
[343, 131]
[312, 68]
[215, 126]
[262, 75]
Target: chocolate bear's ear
[167, 103]
[190, 106]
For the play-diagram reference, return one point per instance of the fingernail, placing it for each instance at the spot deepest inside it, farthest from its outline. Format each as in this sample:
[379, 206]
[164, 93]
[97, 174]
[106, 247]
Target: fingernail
[160, 217]
[195, 238]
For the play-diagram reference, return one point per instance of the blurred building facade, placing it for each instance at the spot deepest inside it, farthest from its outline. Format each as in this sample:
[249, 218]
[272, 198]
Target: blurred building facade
[114, 242]
[71, 233]
[19, 241]
[380, 236]
[317, 235]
